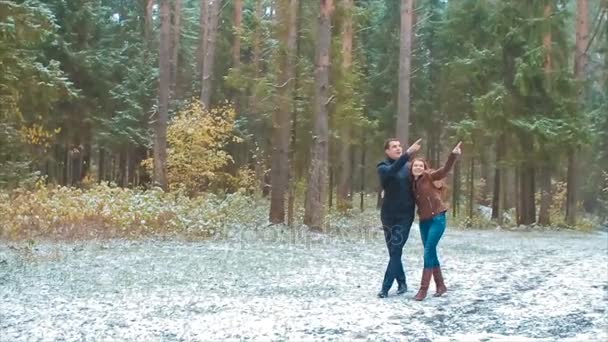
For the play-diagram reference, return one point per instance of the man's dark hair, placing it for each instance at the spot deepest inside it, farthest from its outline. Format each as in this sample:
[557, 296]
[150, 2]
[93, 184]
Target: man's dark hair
[387, 142]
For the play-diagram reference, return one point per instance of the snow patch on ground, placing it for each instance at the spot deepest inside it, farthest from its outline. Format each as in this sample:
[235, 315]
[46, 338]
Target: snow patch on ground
[503, 286]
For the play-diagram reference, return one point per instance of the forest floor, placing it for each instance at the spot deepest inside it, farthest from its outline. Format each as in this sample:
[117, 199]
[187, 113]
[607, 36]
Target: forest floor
[285, 285]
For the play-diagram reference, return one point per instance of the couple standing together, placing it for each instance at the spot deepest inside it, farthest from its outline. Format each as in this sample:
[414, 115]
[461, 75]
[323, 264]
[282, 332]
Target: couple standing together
[408, 182]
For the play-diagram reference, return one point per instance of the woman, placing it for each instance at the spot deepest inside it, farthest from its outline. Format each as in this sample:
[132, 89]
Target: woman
[431, 211]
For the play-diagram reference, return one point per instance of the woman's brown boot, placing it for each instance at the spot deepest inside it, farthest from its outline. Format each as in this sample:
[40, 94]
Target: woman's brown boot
[427, 273]
[439, 284]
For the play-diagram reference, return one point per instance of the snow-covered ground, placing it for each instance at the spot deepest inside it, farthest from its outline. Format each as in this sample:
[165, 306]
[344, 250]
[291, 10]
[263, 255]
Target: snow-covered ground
[503, 286]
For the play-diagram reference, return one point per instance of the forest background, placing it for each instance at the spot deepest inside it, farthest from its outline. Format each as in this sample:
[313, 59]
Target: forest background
[123, 118]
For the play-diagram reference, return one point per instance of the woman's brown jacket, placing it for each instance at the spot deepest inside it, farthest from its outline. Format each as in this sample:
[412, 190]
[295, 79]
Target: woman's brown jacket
[428, 197]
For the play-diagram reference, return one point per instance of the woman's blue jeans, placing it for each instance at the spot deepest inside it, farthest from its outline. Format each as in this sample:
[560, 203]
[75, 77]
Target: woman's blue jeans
[431, 231]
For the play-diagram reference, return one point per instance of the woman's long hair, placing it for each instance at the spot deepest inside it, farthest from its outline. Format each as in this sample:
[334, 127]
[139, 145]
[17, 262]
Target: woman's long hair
[438, 184]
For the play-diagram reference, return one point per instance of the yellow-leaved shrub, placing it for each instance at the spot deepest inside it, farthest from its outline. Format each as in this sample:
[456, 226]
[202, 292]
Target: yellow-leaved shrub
[197, 158]
[104, 211]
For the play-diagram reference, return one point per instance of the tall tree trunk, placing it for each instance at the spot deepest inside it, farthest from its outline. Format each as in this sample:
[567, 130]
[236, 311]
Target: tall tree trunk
[405, 56]
[296, 10]
[112, 177]
[518, 204]
[257, 52]
[436, 142]
[547, 40]
[362, 176]
[432, 145]
[209, 53]
[571, 191]
[202, 36]
[314, 213]
[148, 28]
[101, 175]
[527, 191]
[456, 190]
[236, 44]
[344, 199]
[132, 161]
[498, 204]
[58, 160]
[545, 170]
[69, 168]
[122, 167]
[87, 152]
[256, 159]
[545, 196]
[486, 176]
[176, 30]
[580, 64]
[75, 162]
[527, 184]
[281, 127]
[160, 125]
[471, 188]
[330, 192]
[65, 174]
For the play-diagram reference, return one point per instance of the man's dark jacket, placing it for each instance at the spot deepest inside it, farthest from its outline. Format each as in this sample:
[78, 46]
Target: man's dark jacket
[395, 179]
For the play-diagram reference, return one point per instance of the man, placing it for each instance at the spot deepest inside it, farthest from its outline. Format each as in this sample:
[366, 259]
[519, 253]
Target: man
[397, 212]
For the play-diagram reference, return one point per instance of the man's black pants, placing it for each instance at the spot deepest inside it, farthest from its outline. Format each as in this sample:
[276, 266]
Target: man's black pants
[396, 233]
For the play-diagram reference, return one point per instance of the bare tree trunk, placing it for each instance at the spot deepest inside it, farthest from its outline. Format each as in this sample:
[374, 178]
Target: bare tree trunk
[405, 56]
[68, 165]
[471, 188]
[314, 213]
[257, 159]
[545, 196]
[202, 43]
[527, 187]
[456, 190]
[176, 30]
[362, 176]
[132, 164]
[547, 40]
[86, 153]
[75, 162]
[122, 167]
[344, 197]
[545, 170]
[580, 64]
[496, 197]
[281, 127]
[353, 166]
[113, 168]
[148, 21]
[330, 192]
[127, 168]
[295, 10]
[498, 204]
[257, 51]
[518, 204]
[102, 165]
[504, 196]
[485, 175]
[209, 57]
[236, 45]
[160, 125]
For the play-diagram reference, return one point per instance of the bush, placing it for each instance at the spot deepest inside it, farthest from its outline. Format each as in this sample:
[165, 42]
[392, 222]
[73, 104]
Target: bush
[197, 158]
[107, 212]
